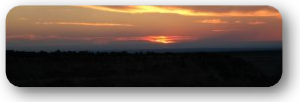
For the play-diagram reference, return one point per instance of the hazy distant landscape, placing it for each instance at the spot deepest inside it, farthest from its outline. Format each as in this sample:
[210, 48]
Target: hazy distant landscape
[175, 69]
[143, 46]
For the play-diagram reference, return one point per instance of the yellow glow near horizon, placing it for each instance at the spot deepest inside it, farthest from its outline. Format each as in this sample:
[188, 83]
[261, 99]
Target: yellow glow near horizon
[161, 39]
[158, 39]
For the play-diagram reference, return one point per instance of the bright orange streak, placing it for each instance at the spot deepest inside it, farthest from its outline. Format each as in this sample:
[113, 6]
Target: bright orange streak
[184, 12]
[212, 21]
[218, 30]
[256, 22]
[83, 24]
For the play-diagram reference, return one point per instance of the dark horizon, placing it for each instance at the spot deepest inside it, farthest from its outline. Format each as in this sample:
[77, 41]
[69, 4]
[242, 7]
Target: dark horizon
[163, 50]
[152, 47]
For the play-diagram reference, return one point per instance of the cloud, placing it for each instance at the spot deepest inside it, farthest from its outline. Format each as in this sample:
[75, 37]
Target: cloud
[84, 24]
[229, 8]
[256, 22]
[237, 21]
[23, 19]
[218, 30]
[34, 37]
[101, 40]
[212, 21]
[184, 11]
[22, 37]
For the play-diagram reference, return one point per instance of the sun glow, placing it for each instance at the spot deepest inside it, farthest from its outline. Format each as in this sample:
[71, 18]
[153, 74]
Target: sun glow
[161, 39]
[158, 39]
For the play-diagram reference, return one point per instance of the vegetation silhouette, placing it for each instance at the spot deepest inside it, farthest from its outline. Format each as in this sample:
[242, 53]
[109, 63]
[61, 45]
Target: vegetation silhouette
[143, 69]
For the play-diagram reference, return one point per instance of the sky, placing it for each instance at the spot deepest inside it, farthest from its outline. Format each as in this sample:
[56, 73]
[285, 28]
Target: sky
[142, 27]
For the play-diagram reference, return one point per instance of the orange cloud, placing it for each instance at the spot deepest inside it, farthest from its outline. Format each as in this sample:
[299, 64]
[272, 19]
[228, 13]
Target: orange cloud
[158, 39]
[33, 37]
[184, 11]
[22, 37]
[218, 30]
[101, 40]
[23, 19]
[256, 22]
[212, 21]
[238, 21]
[83, 24]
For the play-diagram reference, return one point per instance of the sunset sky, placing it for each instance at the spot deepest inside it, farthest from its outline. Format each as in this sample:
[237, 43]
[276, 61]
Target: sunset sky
[142, 27]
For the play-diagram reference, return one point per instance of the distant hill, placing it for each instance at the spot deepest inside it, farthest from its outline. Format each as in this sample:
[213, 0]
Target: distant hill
[201, 50]
[143, 46]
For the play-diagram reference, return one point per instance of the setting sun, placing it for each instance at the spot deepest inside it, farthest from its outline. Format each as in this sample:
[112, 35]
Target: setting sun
[161, 39]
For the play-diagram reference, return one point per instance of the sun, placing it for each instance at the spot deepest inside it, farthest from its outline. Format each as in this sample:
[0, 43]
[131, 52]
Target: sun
[161, 39]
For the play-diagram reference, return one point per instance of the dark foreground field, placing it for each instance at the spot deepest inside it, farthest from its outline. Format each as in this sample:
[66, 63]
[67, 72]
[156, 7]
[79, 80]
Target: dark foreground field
[253, 68]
